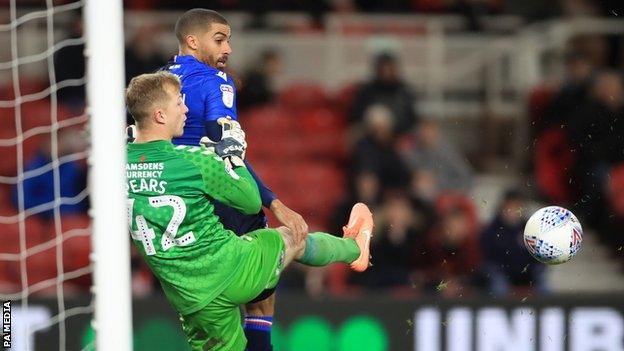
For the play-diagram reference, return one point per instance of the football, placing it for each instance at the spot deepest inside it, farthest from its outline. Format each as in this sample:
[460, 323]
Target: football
[553, 235]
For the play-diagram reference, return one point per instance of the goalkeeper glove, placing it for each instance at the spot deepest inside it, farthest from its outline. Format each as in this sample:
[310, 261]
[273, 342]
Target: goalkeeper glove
[131, 133]
[232, 145]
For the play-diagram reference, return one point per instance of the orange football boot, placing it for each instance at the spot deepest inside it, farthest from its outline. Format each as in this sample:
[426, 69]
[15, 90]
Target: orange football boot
[360, 229]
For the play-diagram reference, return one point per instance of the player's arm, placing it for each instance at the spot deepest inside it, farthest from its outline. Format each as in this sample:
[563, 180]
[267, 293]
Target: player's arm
[218, 103]
[227, 183]
[229, 153]
[266, 195]
[213, 131]
[283, 213]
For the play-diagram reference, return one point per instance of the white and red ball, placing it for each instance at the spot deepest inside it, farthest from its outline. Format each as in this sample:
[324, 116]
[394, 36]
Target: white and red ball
[553, 235]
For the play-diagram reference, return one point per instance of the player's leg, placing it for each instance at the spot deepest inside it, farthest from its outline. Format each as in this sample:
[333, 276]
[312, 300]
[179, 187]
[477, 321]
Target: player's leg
[258, 313]
[321, 249]
[270, 250]
[216, 327]
[259, 322]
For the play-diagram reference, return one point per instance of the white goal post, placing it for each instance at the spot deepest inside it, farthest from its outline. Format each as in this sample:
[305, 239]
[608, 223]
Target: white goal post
[103, 21]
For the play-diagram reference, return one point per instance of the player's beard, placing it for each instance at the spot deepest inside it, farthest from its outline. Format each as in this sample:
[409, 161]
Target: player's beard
[219, 64]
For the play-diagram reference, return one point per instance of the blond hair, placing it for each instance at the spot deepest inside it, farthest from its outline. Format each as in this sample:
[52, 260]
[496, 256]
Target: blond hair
[146, 90]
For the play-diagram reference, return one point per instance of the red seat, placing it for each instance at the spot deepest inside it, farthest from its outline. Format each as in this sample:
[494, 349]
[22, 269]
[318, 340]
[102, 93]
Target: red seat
[76, 255]
[39, 267]
[345, 96]
[35, 233]
[6, 203]
[76, 232]
[449, 201]
[75, 222]
[616, 190]
[8, 150]
[553, 162]
[302, 96]
[324, 131]
[538, 101]
[266, 147]
[268, 121]
[314, 190]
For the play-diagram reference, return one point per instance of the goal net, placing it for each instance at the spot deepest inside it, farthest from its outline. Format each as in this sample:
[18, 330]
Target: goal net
[63, 244]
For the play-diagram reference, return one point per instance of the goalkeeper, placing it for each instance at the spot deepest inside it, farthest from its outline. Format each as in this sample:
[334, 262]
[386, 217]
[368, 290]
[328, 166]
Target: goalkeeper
[207, 271]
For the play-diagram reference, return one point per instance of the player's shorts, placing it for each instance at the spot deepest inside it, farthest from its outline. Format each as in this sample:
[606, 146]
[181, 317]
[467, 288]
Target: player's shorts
[241, 224]
[218, 325]
[238, 222]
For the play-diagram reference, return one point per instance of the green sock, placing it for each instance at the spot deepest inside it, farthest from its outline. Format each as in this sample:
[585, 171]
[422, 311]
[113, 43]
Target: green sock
[323, 249]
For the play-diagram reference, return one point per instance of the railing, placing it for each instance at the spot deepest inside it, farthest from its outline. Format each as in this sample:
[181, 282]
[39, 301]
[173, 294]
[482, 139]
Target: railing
[455, 73]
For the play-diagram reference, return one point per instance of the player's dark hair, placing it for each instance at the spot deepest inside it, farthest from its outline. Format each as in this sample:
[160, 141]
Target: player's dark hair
[146, 90]
[196, 19]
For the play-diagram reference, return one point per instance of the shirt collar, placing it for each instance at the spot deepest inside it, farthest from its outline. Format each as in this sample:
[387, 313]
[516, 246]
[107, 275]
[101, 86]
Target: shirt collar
[190, 59]
[156, 144]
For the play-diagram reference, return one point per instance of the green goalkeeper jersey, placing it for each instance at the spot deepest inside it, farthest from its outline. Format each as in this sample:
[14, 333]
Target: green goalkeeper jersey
[170, 191]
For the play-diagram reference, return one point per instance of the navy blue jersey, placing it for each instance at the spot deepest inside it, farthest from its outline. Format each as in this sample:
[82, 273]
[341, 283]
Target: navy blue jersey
[210, 94]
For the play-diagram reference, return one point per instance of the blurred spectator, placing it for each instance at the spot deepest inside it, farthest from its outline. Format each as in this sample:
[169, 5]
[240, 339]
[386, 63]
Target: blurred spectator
[595, 47]
[595, 131]
[366, 189]
[424, 185]
[573, 92]
[507, 263]
[258, 83]
[554, 159]
[401, 233]
[387, 89]
[69, 64]
[450, 260]
[376, 151]
[383, 6]
[532, 10]
[427, 150]
[580, 8]
[39, 188]
[473, 11]
[615, 219]
[141, 54]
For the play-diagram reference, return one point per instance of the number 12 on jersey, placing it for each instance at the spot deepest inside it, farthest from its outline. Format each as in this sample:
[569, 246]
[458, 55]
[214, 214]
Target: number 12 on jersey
[146, 235]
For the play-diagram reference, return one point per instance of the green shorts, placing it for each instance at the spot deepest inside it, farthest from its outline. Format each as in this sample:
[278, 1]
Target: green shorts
[218, 325]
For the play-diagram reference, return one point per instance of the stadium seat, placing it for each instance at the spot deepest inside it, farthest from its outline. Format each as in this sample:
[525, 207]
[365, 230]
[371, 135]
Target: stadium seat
[73, 221]
[615, 190]
[7, 119]
[451, 200]
[8, 150]
[314, 190]
[26, 86]
[343, 99]
[35, 233]
[8, 162]
[6, 205]
[303, 96]
[8, 284]
[39, 267]
[76, 255]
[320, 119]
[553, 164]
[76, 232]
[268, 120]
[538, 101]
